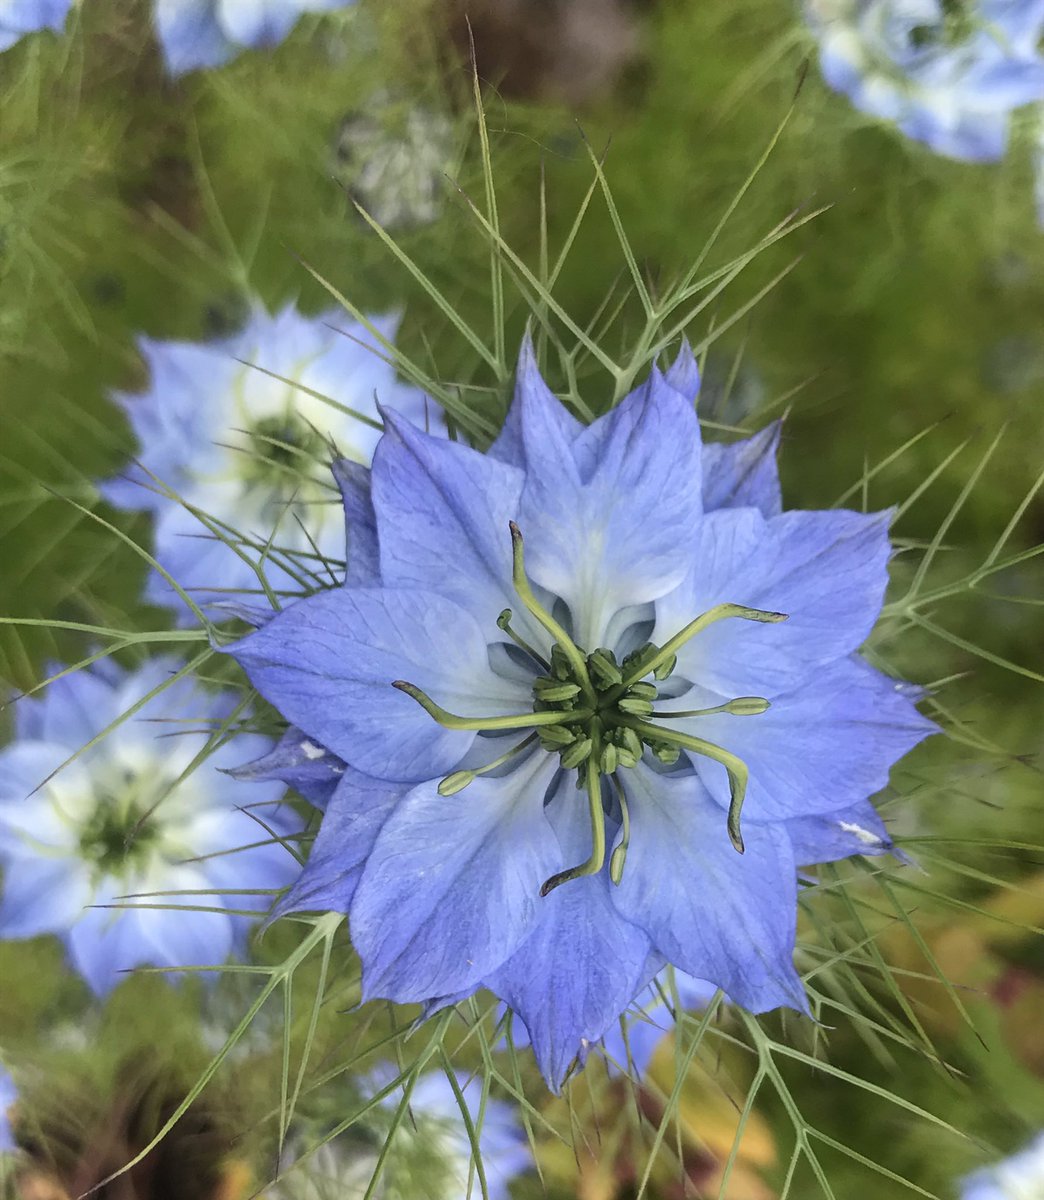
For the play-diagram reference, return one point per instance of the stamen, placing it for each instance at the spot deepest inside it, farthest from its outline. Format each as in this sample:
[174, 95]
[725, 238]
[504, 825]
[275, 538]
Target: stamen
[619, 855]
[594, 803]
[458, 780]
[742, 706]
[536, 609]
[736, 767]
[669, 649]
[503, 623]
[516, 721]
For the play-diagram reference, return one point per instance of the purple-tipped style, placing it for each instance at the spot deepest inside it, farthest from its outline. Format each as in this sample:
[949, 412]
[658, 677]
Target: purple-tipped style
[131, 815]
[948, 75]
[19, 17]
[237, 430]
[207, 33]
[580, 739]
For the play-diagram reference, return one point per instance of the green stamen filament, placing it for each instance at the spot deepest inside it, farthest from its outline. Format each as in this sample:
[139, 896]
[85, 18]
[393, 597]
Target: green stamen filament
[450, 720]
[668, 650]
[458, 780]
[539, 613]
[594, 864]
[735, 766]
[503, 622]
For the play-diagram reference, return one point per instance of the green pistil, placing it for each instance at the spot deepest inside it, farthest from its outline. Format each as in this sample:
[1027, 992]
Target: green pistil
[598, 714]
[278, 445]
[116, 835]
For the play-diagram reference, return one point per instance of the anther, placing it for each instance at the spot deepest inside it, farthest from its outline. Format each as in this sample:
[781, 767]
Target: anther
[577, 753]
[554, 737]
[619, 855]
[456, 781]
[742, 706]
[552, 691]
[603, 667]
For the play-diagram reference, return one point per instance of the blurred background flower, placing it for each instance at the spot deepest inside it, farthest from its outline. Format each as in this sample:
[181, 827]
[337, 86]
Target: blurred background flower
[1020, 1177]
[85, 823]
[243, 431]
[207, 33]
[19, 17]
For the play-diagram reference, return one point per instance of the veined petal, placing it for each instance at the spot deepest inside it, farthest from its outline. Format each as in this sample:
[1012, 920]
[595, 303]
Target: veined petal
[826, 570]
[362, 554]
[42, 895]
[587, 544]
[354, 817]
[328, 663]
[301, 764]
[826, 838]
[443, 512]
[452, 885]
[684, 373]
[744, 474]
[532, 396]
[725, 917]
[582, 963]
[819, 749]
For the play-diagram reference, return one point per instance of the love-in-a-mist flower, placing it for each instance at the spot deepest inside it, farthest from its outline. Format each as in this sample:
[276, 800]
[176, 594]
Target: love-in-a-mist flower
[8, 1096]
[431, 1155]
[598, 697]
[207, 33]
[948, 73]
[236, 429]
[19, 17]
[134, 814]
[1020, 1177]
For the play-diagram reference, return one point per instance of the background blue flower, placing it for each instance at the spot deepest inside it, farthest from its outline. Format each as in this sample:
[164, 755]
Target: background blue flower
[132, 815]
[8, 1095]
[652, 1020]
[221, 426]
[19, 17]
[946, 75]
[207, 33]
[632, 530]
[1020, 1176]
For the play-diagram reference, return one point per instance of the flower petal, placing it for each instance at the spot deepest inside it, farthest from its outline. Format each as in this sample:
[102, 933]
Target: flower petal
[584, 543]
[328, 663]
[725, 917]
[855, 830]
[819, 749]
[532, 395]
[442, 518]
[354, 817]
[744, 474]
[301, 764]
[42, 895]
[827, 570]
[452, 884]
[582, 963]
[362, 553]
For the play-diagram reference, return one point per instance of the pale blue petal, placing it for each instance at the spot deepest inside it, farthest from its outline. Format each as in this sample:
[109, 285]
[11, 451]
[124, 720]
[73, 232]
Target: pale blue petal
[826, 838]
[443, 512]
[354, 817]
[329, 661]
[532, 395]
[41, 895]
[684, 373]
[582, 963]
[818, 750]
[603, 519]
[452, 885]
[302, 764]
[258, 22]
[744, 474]
[721, 916]
[827, 570]
[362, 553]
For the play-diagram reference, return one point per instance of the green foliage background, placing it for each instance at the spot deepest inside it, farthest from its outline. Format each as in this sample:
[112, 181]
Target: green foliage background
[913, 303]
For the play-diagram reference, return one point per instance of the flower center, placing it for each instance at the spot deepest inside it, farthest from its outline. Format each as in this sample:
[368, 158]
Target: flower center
[121, 832]
[598, 715]
[279, 449]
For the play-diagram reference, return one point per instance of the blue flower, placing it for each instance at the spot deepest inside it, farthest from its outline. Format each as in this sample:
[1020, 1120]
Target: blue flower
[948, 75]
[1020, 1177]
[19, 17]
[8, 1095]
[252, 451]
[583, 629]
[207, 33]
[132, 814]
[431, 1150]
